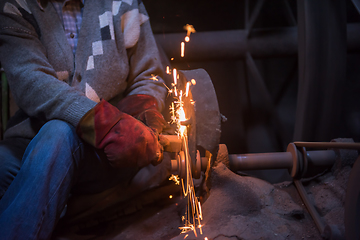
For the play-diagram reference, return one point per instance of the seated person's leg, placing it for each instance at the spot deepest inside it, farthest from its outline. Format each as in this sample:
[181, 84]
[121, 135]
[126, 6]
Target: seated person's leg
[54, 161]
[11, 152]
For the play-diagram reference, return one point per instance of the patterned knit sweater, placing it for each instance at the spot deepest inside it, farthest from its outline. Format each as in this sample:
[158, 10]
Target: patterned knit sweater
[116, 56]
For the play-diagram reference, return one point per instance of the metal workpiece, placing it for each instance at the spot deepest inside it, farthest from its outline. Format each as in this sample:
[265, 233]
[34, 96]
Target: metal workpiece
[201, 106]
[177, 147]
[340, 145]
[206, 110]
[257, 161]
[174, 143]
[178, 165]
[296, 159]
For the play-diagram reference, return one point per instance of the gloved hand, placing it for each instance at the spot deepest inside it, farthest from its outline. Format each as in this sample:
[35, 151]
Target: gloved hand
[126, 141]
[145, 108]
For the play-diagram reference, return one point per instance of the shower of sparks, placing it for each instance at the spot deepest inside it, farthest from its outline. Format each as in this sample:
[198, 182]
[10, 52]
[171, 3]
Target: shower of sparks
[193, 214]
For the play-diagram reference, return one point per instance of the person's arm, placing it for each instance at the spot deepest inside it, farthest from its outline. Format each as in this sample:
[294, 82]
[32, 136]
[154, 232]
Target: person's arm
[32, 79]
[144, 60]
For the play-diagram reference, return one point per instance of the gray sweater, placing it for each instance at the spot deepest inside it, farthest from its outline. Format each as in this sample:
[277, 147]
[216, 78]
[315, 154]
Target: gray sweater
[116, 56]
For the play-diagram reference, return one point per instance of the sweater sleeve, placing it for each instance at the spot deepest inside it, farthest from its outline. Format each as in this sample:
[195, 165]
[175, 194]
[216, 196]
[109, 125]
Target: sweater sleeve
[146, 70]
[32, 79]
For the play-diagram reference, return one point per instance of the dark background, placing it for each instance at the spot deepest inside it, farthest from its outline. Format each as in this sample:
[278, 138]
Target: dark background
[228, 75]
[250, 128]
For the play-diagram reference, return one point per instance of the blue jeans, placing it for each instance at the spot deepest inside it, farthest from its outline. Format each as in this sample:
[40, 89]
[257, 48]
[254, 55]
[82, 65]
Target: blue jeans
[55, 163]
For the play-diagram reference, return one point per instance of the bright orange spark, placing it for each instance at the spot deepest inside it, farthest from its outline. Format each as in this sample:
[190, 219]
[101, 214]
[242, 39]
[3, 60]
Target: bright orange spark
[182, 49]
[187, 89]
[193, 215]
[154, 77]
[175, 178]
[189, 29]
[175, 75]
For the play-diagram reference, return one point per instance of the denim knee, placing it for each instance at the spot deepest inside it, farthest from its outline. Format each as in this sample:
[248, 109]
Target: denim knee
[58, 130]
[57, 135]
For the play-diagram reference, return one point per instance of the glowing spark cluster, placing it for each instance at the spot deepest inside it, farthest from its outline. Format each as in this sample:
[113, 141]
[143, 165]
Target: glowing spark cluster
[175, 178]
[154, 77]
[189, 29]
[193, 214]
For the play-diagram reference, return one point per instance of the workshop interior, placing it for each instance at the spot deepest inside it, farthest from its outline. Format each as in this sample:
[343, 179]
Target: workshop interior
[272, 121]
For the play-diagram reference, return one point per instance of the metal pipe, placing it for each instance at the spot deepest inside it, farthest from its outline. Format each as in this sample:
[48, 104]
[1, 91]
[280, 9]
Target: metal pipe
[320, 224]
[256, 161]
[233, 44]
[322, 158]
[279, 160]
[319, 145]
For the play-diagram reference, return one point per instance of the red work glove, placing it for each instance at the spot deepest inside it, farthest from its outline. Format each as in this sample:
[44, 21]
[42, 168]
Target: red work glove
[144, 108]
[126, 141]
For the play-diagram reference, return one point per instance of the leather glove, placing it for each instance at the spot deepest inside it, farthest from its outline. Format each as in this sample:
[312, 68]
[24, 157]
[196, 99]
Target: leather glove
[126, 141]
[145, 108]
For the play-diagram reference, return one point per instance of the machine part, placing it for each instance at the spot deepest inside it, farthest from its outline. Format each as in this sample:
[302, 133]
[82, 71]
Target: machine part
[296, 159]
[201, 105]
[305, 161]
[320, 224]
[260, 161]
[352, 203]
[206, 109]
[342, 145]
[174, 143]
[178, 164]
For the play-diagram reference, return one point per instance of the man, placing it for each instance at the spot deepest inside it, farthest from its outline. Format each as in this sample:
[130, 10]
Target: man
[68, 63]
